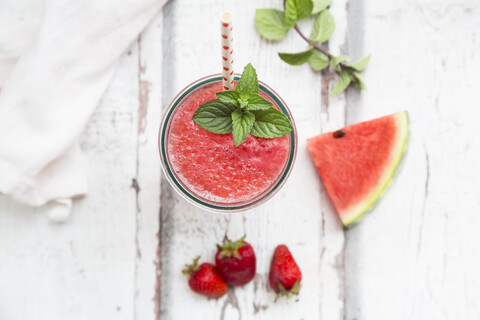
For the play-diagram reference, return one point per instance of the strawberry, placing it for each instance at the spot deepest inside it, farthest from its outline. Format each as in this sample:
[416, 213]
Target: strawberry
[236, 261]
[285, 275]
[205, 279]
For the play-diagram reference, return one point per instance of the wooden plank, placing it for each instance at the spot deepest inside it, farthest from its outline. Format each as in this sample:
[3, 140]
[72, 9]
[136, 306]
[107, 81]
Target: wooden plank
[416, 256]
[148, 175]
[333, 239]
[297, 216]
[68, 271]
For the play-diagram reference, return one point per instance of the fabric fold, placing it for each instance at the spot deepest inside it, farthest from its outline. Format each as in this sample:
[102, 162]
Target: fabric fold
[52, 90]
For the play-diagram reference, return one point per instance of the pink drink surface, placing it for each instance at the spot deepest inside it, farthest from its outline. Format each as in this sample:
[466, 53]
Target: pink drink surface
[211, 166]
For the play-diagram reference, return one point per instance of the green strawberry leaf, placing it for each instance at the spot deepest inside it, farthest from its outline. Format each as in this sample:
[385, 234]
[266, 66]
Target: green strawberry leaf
[242, 124]
[318, 61]
[270, 123]
[215, 116]
[323, 27]
[271, 23]
[296, 59]
[229, 96]
[248, 82]
[257, 102]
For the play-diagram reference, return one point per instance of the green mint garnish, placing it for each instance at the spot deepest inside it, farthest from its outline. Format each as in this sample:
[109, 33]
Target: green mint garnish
[248, 82]
[242, 125]
[270, 123]
[230, 97]
[243, 111]
[215, 116]
[257, 102]
[274, 24]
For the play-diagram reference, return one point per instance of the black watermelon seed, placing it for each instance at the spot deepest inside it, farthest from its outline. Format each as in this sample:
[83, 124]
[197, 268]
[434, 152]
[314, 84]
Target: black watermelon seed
[338, 134]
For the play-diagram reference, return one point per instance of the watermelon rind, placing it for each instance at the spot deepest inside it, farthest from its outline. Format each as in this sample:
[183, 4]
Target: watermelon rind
[355, 213]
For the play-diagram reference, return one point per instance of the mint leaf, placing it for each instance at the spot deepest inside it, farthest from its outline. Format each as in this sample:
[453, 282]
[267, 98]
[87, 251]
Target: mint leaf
[343, 82]
[290, 13]
[243, 100]
[236, 112]
[304, 8]
[215, 116]
[360, 64]
[270, 123]
[271, 23]
[296, 59]
[229, 96]
[337, 60]
[323, 27]
[318, 61]
[297, 9]
[248, 82]
[319, 5]
[358, 80]
[242, 124]
[257, 102]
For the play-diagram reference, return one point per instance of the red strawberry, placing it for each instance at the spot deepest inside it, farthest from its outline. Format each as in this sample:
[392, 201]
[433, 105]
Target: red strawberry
[236, 261]
[285, 275]
[205, 279]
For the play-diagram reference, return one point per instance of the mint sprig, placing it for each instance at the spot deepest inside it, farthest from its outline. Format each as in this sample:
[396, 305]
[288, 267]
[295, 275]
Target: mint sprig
[242, 112]
[242, 125]
[248, 82]
[273, 24]
[270, 123]
[216, 116]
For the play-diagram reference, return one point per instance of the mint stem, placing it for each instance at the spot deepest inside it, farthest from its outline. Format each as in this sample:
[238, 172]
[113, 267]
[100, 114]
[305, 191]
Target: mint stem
[342, 65]
[314, 44]
[319, 48]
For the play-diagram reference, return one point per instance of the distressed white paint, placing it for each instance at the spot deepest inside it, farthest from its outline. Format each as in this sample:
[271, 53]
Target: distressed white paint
[89, 267]
[415, 257]
[147, 277]
[59, 271]
[296, 216]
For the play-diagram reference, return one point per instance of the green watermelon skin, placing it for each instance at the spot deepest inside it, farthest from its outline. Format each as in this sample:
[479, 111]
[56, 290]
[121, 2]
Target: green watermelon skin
[357, 162]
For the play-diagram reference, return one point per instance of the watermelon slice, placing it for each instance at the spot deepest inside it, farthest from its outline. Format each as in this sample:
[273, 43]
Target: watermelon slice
[357, 162]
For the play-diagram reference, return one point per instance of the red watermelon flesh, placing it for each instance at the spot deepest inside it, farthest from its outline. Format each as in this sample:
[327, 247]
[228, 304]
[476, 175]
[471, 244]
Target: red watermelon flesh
[357, 162]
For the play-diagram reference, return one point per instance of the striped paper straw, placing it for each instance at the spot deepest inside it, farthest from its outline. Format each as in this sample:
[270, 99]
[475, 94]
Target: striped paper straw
[227, 51]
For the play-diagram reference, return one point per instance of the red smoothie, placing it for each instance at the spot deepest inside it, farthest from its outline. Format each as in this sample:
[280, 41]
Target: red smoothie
[211, 166]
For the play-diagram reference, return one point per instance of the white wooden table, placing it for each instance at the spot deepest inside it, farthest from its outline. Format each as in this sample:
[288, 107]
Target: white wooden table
[416, 257]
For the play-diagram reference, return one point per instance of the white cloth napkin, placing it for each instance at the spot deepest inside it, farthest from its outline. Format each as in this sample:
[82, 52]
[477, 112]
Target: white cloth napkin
[48, 94]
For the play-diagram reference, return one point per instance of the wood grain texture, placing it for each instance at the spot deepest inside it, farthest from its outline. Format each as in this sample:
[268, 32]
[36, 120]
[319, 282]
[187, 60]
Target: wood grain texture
[101, 263]
[297, 215]
[333, 112]
[416, 256]
[148, 172]
[66, 270]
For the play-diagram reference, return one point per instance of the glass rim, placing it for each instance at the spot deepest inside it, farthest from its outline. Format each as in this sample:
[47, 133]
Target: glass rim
[191, 196]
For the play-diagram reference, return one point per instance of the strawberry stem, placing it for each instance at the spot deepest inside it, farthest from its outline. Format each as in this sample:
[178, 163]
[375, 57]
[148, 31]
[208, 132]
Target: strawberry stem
[230, 248]
[284, 292]
[191, 268]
